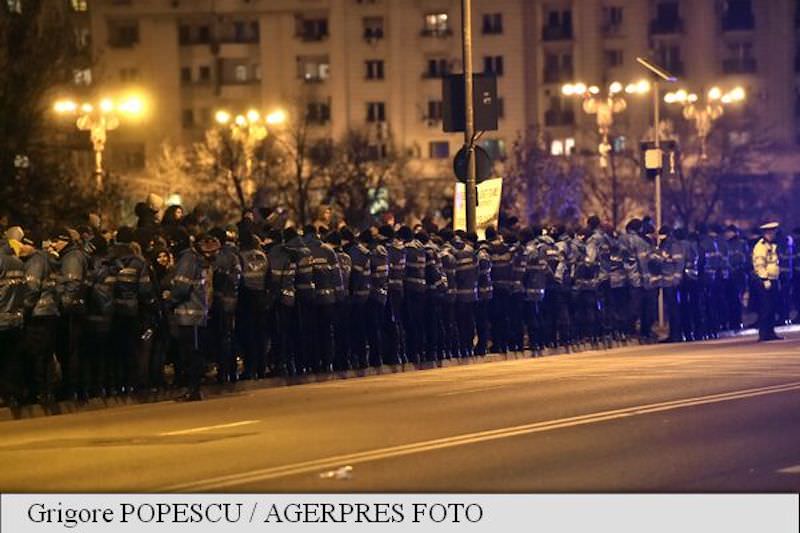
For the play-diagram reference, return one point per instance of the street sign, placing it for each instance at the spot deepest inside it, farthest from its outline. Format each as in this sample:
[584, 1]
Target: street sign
[483, 165]
[664, 160]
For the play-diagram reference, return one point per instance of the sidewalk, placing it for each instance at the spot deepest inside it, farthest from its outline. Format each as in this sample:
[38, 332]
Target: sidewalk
[215, 390]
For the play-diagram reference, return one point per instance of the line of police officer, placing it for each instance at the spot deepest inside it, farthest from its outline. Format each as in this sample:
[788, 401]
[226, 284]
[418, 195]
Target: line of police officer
[106, 317]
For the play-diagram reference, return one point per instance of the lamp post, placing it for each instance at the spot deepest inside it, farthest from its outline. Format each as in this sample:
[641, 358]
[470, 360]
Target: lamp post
[604, 107]
[98, 119]
[249, 129]
[704, 114]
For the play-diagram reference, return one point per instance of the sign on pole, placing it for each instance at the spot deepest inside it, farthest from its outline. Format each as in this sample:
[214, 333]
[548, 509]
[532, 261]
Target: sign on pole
[487, 212]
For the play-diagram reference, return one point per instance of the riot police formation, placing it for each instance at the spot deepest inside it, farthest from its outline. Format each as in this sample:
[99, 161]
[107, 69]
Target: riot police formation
[88, 312]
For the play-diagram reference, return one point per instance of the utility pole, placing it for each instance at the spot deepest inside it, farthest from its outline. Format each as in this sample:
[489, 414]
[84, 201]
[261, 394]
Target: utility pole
[469, 129]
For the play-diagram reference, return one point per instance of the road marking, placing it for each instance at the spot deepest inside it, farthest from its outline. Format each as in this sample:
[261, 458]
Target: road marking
[214, 484]
[790, 470]
[469, 391]
[208, 428]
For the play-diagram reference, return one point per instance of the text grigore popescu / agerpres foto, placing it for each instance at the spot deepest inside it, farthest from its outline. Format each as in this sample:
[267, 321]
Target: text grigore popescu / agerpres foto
[254, 513]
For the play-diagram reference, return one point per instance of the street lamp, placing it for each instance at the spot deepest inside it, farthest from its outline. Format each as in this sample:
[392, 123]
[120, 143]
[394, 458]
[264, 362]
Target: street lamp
[704, 114]
[604, 106]
[249, 129]
[98, 119]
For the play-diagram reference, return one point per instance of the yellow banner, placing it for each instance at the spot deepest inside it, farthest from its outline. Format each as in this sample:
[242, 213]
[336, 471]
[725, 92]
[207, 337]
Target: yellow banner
[487, 212]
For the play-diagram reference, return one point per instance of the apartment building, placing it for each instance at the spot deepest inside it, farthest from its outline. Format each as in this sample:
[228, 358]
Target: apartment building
[377, 64]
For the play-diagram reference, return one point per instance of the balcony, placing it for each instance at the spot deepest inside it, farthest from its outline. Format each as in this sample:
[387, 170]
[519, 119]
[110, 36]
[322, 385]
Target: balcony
[611, 30]
[440, 33]
[738, 22]
[312, 37]
[669, 26]
[557, 33]
[746, 65]
[559, 117]
[373, 34]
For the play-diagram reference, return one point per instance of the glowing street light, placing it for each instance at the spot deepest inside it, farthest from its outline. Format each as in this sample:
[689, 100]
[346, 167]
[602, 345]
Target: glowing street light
[705, 114]
[277, 117]
[98, 119]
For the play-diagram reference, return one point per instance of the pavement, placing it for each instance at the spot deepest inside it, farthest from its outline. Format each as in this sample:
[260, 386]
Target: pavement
[701, 417]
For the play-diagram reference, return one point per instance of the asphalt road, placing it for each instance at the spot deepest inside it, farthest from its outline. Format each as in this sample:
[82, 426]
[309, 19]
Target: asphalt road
[718, 416]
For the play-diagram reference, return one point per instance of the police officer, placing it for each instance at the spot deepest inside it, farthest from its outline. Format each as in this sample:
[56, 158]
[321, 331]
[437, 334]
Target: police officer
[134, 303]
[635, 262]
[585, 286]
[415, 293]
[378, 298]
[766, 266]
[466, 292]
[652, 281]
[12, 307]
[304, 310]
[738, 252]
[395, 326]
[283, 272]
[672, 274]
[190, 298]
[709, 262]
[534, 284]
[690, 289]
[500, 257]
[99, 318]
[598, 249]
[341, 333]
[255, 305]
[448, 312]
[327, 276]
[227, 278]
[517, 322]
[786, 247]
[435, 283]
[41, 304]
[485, 294]
[360, 284]
[72, 290]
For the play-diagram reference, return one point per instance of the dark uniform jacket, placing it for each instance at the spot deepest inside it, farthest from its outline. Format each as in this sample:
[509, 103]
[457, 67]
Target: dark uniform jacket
[41, 276]
[502, 269]
[361, 274]
[255, 277]
[414, 281]
[304, 276]
[379, 279]
[282, 274]
[397, 267]
[227, 277]
[327, 274]
[485, 286]
[189, 295]
[535, 280]
[12, 290]
[134, 295]
[466, 271]
[100, 302]
[72, 286]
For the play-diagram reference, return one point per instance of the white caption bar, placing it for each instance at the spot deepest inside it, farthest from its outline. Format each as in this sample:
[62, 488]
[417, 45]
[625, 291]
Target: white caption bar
[768, 513]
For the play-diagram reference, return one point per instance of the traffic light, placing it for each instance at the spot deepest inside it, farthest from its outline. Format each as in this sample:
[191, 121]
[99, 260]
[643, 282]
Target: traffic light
[665, 159]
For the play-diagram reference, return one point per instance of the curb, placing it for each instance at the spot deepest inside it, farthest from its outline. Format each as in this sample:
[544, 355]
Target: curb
[215, 390]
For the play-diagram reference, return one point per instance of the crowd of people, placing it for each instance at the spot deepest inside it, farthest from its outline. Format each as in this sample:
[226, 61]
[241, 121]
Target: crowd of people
[88, 311]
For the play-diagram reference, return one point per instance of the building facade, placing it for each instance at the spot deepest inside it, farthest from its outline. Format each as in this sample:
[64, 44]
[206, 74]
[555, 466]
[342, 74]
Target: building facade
[377, 65]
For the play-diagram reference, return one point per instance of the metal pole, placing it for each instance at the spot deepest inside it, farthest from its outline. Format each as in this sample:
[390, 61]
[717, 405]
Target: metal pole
[469, 123]
[657, 142]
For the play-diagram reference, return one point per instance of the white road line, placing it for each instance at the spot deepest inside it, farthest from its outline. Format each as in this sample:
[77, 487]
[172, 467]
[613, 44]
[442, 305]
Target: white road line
[215, 484]
[790, 470]
[480, 389]
[208, 428]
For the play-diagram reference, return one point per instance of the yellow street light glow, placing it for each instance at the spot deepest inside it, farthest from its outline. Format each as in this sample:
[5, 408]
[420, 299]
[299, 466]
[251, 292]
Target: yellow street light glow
[669, 98]
[222, 117]
[133, 106]
[567, 89]
[630, 88]
[642, 86]
[594, 89]
[253, 115]
[692, 98]
[615, 87]
[580, 88]
[715, 93]
[65, 106]
[276, 117]
[106, 105]
[87, 108]
[738, 94]
[726, 99]
[241, 120]
[681, 95]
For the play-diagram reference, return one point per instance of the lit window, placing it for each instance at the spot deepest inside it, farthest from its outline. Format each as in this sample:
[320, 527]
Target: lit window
[557, 147]
[569, 146]
[14, 6]
[80, 5]
[82, 76]
[437, 25]
[240, 73]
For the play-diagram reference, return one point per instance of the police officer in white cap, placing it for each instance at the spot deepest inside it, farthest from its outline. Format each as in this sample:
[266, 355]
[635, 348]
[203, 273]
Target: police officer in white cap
[767, 270]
